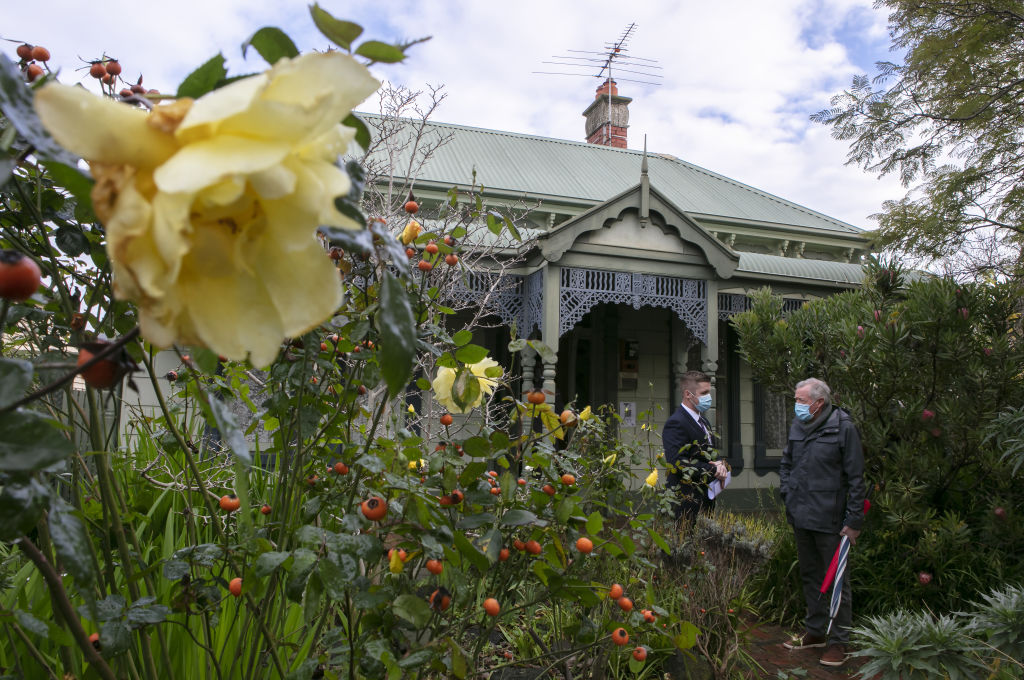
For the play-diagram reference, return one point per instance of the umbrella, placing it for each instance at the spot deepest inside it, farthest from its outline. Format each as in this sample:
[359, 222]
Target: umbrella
[834, 573]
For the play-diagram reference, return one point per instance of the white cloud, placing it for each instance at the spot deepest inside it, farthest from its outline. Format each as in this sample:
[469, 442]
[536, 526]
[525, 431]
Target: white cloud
[740, 79]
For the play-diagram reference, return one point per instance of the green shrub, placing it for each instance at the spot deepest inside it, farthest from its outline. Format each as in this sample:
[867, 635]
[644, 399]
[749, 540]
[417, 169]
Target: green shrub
[925, 369]
[984, 642]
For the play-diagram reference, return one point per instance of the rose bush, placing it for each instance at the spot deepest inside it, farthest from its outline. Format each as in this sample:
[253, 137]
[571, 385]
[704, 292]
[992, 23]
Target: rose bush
[335, 532]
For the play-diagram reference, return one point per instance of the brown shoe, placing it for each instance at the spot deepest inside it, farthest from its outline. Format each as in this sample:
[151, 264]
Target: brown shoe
[834, 656]
[805, 641]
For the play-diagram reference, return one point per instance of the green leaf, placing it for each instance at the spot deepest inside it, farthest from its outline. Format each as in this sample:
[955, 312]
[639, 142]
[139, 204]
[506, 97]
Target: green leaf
[115, 637]
[71, 241]
[341, 33]
[350, 209]
[465, 389]
[475, 521]
[512, 229]
[16, 101]
[311, 597]
[490, 545]
[266, 563]
[334, 578]
[386, 241]
[413, 609]
[206, 360]
[363, 138]
[500, 440]
[71, 542]
[379, 51]
[230, 433]
[145, 614]
[687, 637]
[659, 541]
[547, 355]
[301, 567]
[204, 79]
[74, 180]
[417, 658]
[110, 608]
[564, 509]
[462, 337]
[458, 660]
[476, 558]
[397, 334]
[15, 378]
[595, 523]
[31, 624]
[21, 505]
[272, 44]
[494, 223]
[517, 518]
[476, 446]
[471, 472]
[471, 354]
[30, 442]
[175, 570]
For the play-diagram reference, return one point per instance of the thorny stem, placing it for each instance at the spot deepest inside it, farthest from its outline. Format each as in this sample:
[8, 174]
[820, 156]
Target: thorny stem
[65, 606]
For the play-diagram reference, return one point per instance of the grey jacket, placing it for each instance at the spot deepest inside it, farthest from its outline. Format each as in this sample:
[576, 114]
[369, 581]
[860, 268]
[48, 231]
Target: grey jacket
[822, 474]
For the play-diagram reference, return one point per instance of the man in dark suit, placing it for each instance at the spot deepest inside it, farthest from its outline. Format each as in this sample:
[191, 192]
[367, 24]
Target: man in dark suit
[691, 447]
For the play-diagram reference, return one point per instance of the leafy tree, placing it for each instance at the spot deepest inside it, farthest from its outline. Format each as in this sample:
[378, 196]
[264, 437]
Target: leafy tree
[950, 121]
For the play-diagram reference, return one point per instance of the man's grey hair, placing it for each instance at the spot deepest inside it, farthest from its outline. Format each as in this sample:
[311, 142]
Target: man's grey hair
[817, 388]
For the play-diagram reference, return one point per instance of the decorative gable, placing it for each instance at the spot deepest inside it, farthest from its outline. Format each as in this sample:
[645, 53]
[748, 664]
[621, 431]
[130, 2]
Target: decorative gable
[638, 222]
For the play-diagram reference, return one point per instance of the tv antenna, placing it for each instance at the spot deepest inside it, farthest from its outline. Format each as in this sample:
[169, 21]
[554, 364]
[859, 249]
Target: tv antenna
[614, 57]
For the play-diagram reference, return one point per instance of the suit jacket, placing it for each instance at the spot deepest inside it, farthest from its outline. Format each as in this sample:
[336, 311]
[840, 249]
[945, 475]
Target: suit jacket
[689, 451]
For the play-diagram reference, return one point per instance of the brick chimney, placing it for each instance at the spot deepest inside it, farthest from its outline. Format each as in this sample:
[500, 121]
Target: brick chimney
[604, 127]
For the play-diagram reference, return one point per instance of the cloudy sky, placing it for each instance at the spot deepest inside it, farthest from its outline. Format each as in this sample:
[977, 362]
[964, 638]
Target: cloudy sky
[740, 77]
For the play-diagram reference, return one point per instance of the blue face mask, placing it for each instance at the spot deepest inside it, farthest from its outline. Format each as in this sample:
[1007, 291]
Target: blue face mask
[803, 412]
[704, 403]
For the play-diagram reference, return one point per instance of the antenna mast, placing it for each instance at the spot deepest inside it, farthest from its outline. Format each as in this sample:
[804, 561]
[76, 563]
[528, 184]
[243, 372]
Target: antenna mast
[615, 56]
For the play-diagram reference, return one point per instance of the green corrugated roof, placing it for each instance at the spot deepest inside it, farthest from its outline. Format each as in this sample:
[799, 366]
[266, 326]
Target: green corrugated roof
[561, 169]
[797, 268]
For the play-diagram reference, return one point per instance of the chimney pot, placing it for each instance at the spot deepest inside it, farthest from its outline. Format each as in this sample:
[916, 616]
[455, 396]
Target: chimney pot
[602, 89]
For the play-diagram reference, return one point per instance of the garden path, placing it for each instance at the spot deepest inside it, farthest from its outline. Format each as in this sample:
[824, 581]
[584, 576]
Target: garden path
[766, 648]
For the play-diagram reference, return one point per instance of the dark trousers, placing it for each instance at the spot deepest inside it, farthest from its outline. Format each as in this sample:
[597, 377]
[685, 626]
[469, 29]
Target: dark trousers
[814, 550]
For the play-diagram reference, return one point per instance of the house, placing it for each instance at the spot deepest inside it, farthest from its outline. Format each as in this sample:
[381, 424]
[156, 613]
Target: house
[635, 263]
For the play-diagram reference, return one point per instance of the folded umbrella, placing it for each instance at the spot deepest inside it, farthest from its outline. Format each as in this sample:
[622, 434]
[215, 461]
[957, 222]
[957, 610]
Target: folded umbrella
[835, 572]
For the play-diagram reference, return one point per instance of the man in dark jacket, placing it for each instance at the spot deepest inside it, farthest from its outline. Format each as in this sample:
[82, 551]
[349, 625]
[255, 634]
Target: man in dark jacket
[821, 479]
[691, 447]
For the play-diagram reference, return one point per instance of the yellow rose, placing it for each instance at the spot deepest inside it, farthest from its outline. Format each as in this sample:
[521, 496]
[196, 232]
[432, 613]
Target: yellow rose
[211, 207]
[445, 380]
[586, 414]
[652, 479]
[395, 563]
[411, 231]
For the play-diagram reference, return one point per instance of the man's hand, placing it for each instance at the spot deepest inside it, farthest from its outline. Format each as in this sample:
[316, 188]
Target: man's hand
[720, 470]
[852, 533]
